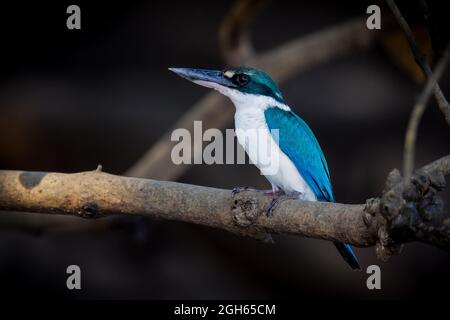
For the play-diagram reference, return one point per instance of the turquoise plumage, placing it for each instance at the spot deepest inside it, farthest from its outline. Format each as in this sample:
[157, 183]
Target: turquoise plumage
[298, 142]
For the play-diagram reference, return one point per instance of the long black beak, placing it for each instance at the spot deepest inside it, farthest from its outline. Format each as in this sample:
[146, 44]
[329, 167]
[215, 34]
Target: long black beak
[204, 77]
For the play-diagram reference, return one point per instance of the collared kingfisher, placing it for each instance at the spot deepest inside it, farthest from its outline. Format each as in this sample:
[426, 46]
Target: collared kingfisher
[302, 169]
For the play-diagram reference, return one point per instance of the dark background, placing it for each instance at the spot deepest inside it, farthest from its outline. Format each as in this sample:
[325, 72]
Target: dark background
[70, 100]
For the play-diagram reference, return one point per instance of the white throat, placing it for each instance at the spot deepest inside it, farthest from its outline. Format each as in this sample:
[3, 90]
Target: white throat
[243, 100]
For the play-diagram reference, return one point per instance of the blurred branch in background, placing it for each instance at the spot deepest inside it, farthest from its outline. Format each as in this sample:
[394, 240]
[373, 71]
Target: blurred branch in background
[407, 211]
[281, 63]
[420, 59]
[416, 115]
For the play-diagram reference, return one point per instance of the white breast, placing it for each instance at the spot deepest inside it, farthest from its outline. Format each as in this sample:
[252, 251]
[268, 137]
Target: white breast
[254, 136]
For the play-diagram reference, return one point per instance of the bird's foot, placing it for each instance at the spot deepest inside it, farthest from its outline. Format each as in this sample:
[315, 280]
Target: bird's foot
[279, 199]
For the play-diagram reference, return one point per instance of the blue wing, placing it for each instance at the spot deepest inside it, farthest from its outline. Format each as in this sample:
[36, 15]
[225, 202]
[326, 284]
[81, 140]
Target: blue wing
[298, 142]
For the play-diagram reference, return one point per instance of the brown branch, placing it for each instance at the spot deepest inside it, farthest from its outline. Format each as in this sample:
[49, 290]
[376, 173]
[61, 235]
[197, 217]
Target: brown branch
[282, 63]
[413, 209]
[96, 194]
[416, 115]
[420, 59]
[216, 112]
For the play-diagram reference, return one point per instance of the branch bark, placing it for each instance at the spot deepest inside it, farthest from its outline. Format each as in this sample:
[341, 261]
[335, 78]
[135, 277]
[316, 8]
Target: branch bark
[386, 222]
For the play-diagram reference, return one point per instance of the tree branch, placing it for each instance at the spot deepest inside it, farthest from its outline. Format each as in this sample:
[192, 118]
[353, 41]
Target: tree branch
[385, 222]
[215, 111]
[420, 59]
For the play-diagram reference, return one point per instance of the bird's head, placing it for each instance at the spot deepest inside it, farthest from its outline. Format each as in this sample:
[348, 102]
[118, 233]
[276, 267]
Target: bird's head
[238, 83]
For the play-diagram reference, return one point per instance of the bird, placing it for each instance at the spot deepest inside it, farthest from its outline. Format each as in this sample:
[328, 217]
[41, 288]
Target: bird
[302, 170]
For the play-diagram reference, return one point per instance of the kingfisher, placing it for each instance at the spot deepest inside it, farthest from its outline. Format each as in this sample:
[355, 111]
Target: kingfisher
[302, 171]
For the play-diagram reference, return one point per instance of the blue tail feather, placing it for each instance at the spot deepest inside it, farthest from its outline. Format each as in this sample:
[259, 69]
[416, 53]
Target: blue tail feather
[347, 253]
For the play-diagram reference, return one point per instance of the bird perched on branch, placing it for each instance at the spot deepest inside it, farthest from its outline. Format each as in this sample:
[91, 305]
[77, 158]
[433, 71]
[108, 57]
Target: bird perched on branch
[284, 148]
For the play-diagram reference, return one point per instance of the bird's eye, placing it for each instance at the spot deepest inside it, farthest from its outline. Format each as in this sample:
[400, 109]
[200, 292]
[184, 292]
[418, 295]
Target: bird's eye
[241, 79]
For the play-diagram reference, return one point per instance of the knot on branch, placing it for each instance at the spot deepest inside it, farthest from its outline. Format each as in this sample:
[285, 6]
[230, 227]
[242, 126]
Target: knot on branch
[370, 210]
[245, 210]
[386, 246]
[90, 211]
[411, 209]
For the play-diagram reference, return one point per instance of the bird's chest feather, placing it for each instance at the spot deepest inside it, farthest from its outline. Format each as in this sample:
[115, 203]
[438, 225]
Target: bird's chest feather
[254, 136]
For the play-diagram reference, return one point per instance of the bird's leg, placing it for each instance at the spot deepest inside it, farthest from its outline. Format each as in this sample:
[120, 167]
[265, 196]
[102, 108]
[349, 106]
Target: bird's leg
[277, 200]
